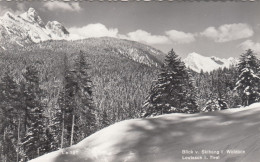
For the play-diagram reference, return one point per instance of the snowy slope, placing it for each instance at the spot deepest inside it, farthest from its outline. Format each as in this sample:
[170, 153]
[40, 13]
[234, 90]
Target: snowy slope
[162, 139]
[198, 62]
[29, 28]
[135, 51]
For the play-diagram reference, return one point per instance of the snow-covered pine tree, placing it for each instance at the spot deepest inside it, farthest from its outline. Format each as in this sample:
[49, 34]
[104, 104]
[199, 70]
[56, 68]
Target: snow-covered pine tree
[173, 91]
[76, 103]
[86, 111]
[191, 95]
[211, 105]
[34, 143]
[64, 117]
[61, 112]
[215, 103]
[57, 128]
[10, 123]
[248, 80]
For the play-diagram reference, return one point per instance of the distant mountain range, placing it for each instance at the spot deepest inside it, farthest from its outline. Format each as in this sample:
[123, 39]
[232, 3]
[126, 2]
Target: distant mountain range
[197, 62]
[29, 28]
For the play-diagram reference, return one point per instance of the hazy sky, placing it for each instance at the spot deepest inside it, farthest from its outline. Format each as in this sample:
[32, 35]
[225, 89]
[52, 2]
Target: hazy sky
[222, 29]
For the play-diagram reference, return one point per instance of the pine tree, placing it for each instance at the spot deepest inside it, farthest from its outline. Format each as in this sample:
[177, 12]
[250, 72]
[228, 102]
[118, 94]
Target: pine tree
[34, 143]
[190, 95]
[62, 110]
[57, 128]
[75, 102]
[85, 107]
[68, 105]
[216, 89]
[172, 91]
[10, 129]
[248, 80]
[211, 105]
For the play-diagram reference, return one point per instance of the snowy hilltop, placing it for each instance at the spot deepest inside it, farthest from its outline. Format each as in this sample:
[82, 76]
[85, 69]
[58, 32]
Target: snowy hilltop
[228, 135]
[198, 62]
[29, 28]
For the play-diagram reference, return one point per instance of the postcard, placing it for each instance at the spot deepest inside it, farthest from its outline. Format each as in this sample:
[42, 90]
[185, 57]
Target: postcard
[129, 81]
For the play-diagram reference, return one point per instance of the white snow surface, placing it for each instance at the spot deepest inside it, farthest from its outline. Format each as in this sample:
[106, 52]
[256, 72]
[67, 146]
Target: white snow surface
[163, 138]
[198, 62]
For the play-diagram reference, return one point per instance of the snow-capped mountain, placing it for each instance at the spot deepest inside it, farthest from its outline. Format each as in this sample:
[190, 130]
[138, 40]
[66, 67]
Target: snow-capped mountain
[198, 62]
[29, 28]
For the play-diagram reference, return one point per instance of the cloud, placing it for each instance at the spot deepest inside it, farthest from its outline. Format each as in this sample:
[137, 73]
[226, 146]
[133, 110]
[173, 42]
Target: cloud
[250, 44]
[100, 30]
[20, 9]
[228, 32]
[180, 37]
[145, 37]
[3, 10]
[64, 6]
[94, 30]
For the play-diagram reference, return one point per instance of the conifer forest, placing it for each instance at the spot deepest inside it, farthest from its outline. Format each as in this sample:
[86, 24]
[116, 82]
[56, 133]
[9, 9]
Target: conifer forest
[54, 94]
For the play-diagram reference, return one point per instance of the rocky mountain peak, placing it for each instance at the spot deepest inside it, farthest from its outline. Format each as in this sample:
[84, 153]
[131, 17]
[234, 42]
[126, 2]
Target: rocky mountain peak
[32, 16]
[57, 28]
[29, 28]
[8, 14]
[32, 12]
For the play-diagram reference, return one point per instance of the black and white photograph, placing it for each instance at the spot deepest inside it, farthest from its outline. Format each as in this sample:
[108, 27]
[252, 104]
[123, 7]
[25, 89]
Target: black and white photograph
[129, 81]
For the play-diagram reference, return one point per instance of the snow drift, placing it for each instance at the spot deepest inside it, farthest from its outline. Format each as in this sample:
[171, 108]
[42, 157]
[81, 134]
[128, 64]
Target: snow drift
[230, 135]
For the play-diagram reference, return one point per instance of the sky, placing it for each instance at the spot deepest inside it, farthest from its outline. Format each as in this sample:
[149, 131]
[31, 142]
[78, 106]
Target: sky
[222, 29]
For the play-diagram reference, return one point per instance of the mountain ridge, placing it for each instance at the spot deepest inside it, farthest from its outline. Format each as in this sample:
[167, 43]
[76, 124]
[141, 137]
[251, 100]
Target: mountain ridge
[28, 28]
[198, 62]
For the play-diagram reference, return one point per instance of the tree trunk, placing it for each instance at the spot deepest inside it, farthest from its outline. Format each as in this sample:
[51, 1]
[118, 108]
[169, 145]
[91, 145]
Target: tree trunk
[38, 151]
[72, 130]
[25, 121]
[5, 158]
[62, 130]
[18, 139]
[247, 98]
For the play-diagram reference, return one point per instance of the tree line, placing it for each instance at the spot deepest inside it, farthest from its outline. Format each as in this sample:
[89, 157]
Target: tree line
[179, 90]
[40, 112]
[26, 130]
